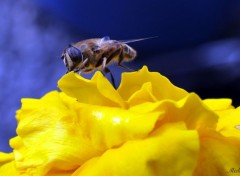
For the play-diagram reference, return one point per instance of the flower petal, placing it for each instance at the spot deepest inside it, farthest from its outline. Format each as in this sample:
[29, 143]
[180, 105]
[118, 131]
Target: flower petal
[218, 104]
[162, 88]
[193, 112]
[218, 155]
[190, 110]
[5, 157]
[49, 137]
[98, 90]
[143, 95]
[229, 117]
[228, 122]
[57, 133]
[9, 169]
[7, 165]
[110, 127]
[172, 150]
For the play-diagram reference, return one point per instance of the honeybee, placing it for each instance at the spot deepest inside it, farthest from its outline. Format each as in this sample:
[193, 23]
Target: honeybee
[91, 54]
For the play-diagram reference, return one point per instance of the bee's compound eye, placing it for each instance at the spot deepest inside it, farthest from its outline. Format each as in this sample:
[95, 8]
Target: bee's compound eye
[75, 54]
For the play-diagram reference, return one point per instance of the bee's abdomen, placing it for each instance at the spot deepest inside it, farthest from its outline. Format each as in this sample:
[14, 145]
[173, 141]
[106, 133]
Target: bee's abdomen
[129, 53]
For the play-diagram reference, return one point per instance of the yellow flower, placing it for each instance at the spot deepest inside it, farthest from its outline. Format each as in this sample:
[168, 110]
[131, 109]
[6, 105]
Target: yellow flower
[146, 127]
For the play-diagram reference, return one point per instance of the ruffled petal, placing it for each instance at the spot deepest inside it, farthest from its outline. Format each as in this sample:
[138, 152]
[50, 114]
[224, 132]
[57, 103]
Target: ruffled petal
[57, 133]
[162, 88]
[229, 117]
[218, 104]
[172, 150]
[49, 137]
[190, 110]
[6, 157]
[218, 155]
[8, 169]
[7, 165]
[228, 123]
[143, 95]
[110, 127]
[97, 91]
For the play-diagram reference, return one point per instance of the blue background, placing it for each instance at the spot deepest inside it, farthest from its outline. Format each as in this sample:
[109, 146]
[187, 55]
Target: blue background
[197, 48]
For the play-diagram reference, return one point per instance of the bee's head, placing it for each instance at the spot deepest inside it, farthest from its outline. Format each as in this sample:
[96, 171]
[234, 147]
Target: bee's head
[72, 57]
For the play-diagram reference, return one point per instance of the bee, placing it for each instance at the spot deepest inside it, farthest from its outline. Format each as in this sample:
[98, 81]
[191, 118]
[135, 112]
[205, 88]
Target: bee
[96, 54]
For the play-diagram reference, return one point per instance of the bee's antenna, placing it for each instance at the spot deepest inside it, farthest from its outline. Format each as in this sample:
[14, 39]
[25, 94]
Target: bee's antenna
[136, 40]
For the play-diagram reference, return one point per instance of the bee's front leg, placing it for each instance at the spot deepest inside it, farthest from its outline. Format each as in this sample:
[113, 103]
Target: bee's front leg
[78, 71]
[106, 70]
[83, 64]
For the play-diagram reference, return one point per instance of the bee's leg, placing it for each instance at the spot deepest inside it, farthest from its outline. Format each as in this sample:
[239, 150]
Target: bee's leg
[125, 67]
[106, 70]
[79, 70]
[121, 57]
[83, 63]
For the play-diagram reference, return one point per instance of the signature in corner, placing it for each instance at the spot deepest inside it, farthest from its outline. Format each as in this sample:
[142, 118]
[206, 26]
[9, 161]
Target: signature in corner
[234, 170]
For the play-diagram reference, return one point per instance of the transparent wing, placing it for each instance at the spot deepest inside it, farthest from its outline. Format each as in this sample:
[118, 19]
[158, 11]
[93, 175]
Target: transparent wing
[104, 39]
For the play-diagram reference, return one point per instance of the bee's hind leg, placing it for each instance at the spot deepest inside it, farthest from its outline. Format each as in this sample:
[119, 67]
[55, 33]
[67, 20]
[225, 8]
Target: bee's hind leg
[106, 70]
[123, 66]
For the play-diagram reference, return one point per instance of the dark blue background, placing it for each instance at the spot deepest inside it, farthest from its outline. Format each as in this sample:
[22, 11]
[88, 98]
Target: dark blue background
[197, 48]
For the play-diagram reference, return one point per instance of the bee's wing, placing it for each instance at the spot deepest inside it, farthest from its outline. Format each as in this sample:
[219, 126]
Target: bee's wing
[136, 40]
[102, 40]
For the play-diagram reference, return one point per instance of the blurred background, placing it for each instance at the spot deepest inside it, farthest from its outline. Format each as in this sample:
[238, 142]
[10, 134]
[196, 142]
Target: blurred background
[198, 45]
